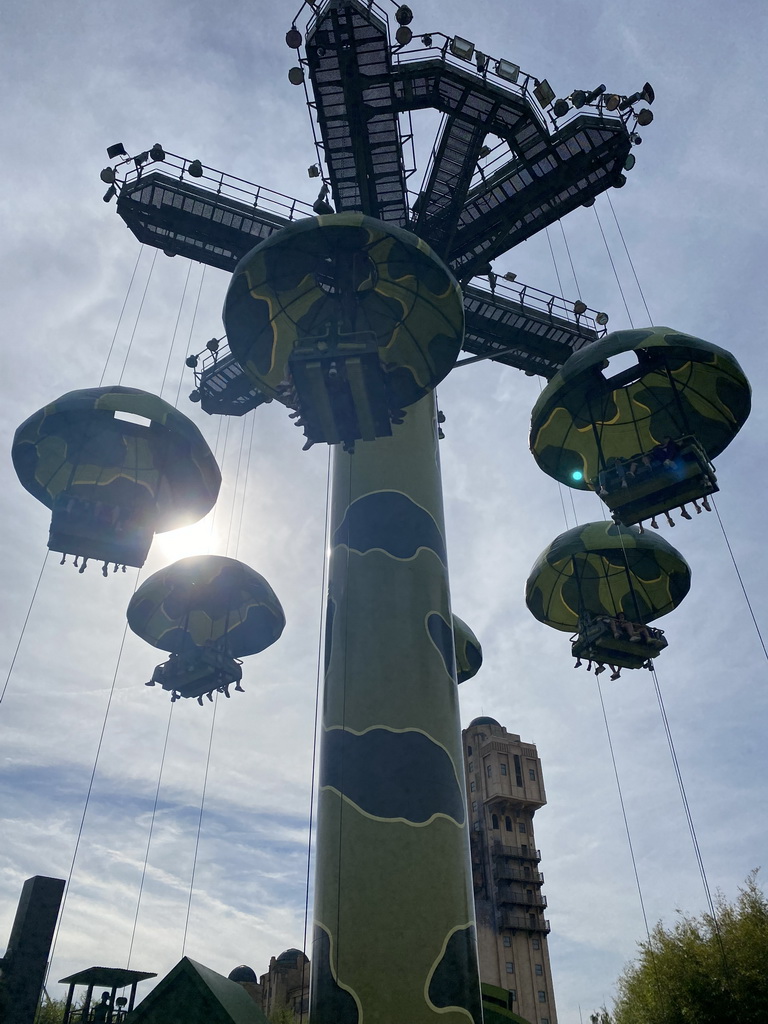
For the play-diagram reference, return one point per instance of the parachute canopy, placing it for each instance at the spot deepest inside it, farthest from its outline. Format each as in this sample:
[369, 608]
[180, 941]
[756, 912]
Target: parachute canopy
[469, 653]
[112, 482]
[676, 387]
[347, 320]
[603, 569]
[207, 600]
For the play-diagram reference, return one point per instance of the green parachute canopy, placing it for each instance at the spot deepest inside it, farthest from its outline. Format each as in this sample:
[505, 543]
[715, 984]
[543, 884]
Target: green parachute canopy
[204, 601]
[469, 653]
[112, 482]
[346, 319]
[678, 386]
[605, 569]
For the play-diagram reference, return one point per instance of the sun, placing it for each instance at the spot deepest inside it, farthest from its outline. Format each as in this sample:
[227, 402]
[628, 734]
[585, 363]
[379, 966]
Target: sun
[196, 539]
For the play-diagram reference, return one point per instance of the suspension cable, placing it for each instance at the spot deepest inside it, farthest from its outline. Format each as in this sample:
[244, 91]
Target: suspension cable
[199, 823]
[626, 250]
[149, 838]
[234, 493]
[245, 486]
[191, 329]
[138, 316]
[120, 317]
[24, 626]
[321, 640]
[613, 266]
[738, 574]
[570, 259]
[689, 818]
[175, 328]
[90, 787]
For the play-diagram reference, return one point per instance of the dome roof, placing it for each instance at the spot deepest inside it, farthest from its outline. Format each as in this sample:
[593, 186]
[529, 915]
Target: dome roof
[485, 720]
[291, 956]
[243, 973]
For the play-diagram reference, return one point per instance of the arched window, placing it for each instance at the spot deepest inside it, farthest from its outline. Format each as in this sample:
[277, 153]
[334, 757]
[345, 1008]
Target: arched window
[508, 823]
[494, 821]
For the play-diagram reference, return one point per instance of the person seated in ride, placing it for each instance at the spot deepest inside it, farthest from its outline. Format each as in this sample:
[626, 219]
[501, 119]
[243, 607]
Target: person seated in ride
[636, 631]
[613, 472]
[668, 452]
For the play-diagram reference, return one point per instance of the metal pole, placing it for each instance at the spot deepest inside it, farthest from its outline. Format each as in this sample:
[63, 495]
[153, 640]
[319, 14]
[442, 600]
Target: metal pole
[394, 939]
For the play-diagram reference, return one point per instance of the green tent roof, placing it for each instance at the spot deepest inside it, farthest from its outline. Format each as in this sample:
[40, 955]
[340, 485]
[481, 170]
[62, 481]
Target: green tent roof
[194, 994]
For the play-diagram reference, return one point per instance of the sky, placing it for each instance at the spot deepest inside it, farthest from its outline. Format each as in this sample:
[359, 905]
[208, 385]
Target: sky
[210, 82]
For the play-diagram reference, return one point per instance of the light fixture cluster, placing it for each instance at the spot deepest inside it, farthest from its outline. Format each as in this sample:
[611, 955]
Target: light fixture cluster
[156, 154]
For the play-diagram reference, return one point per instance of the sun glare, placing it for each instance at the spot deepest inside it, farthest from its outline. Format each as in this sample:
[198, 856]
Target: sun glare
[189, 540]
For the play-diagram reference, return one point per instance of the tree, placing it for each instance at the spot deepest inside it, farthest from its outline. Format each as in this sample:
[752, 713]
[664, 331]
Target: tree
[703, 970]
[51, 1011]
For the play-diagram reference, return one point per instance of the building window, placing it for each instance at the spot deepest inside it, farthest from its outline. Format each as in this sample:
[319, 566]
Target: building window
[507, 940]
[510, 967]
[489, 770]
[542, 996]
[474, 806]
[531, 774]
[508, 824]
[511, 996]
[545, 1020]
[536, 943]
[518, 770]
[471, 787]
[471, 766]
[521, 827]
[538, 969]
[469, 751]
[503, 768]
[494, 821]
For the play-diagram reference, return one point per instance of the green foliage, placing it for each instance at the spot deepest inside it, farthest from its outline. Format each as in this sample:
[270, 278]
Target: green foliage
[282, 1016]
[601, 1017]
[51, 1011]
[701, 971]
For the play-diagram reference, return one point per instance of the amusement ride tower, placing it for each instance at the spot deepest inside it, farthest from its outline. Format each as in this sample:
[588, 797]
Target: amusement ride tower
[350, 312]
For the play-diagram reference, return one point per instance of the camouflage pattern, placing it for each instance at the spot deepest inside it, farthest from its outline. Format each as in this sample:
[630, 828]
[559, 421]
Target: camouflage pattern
[396, 292]
[78, 451]
[604, 569]
[207, 600]
[394, 933]
[469, 653]
[686, 386]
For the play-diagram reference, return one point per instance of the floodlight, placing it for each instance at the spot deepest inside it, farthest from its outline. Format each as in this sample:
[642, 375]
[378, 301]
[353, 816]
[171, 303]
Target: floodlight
[157, 152]
[141, 158]
[320, 207]
[461, 48]
[509, 276]
[403, 35]
[592, 96]
[117, 150]
[578, 98]
[635, 139]
[191, 362]
[579, 307]
[296, 76]
[612, 102]
[484, 151]
[195, 169]
[109, 194]
[313, 171]
[646, 93]
[629, 163]
[426, 40]
[602, 319]
[589, 202]
[293, 38]
[620, 182]
[194, 396]
[107, 175]
[481, 59]
[561, 108]
[403, 15]
[644, 117]
[212, 345]
[508, 71]
[544, 93]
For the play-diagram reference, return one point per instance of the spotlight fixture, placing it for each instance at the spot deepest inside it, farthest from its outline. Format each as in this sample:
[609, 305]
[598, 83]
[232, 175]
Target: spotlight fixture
[589, 202]
[212, 345]
[544, 93]
[113, 152]
[629, 163]
[561, 108]
[579, 307]
[602, 319]
[403, 35]
[141, 158]
[107, 175]
[509, 276]
[195, 169]
[426, 40]
[481, 60]
[644, 116]
[620, 182]
[157, 152]
[109, 194]
[321, 207]
[578, 98]
[508, 71]
[484, 152]
[403, 15]
[313, 171]
[461, 48]
[293, 38]
[191, 362]
[194, 396]
[296, 76]
[612, 102]
[646, 93]
[635, 139]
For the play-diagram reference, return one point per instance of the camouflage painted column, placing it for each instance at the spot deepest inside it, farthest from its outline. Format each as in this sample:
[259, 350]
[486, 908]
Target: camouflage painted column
[394, 935]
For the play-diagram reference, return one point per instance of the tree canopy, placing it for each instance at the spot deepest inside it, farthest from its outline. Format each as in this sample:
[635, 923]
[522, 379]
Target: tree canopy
[702, 970]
